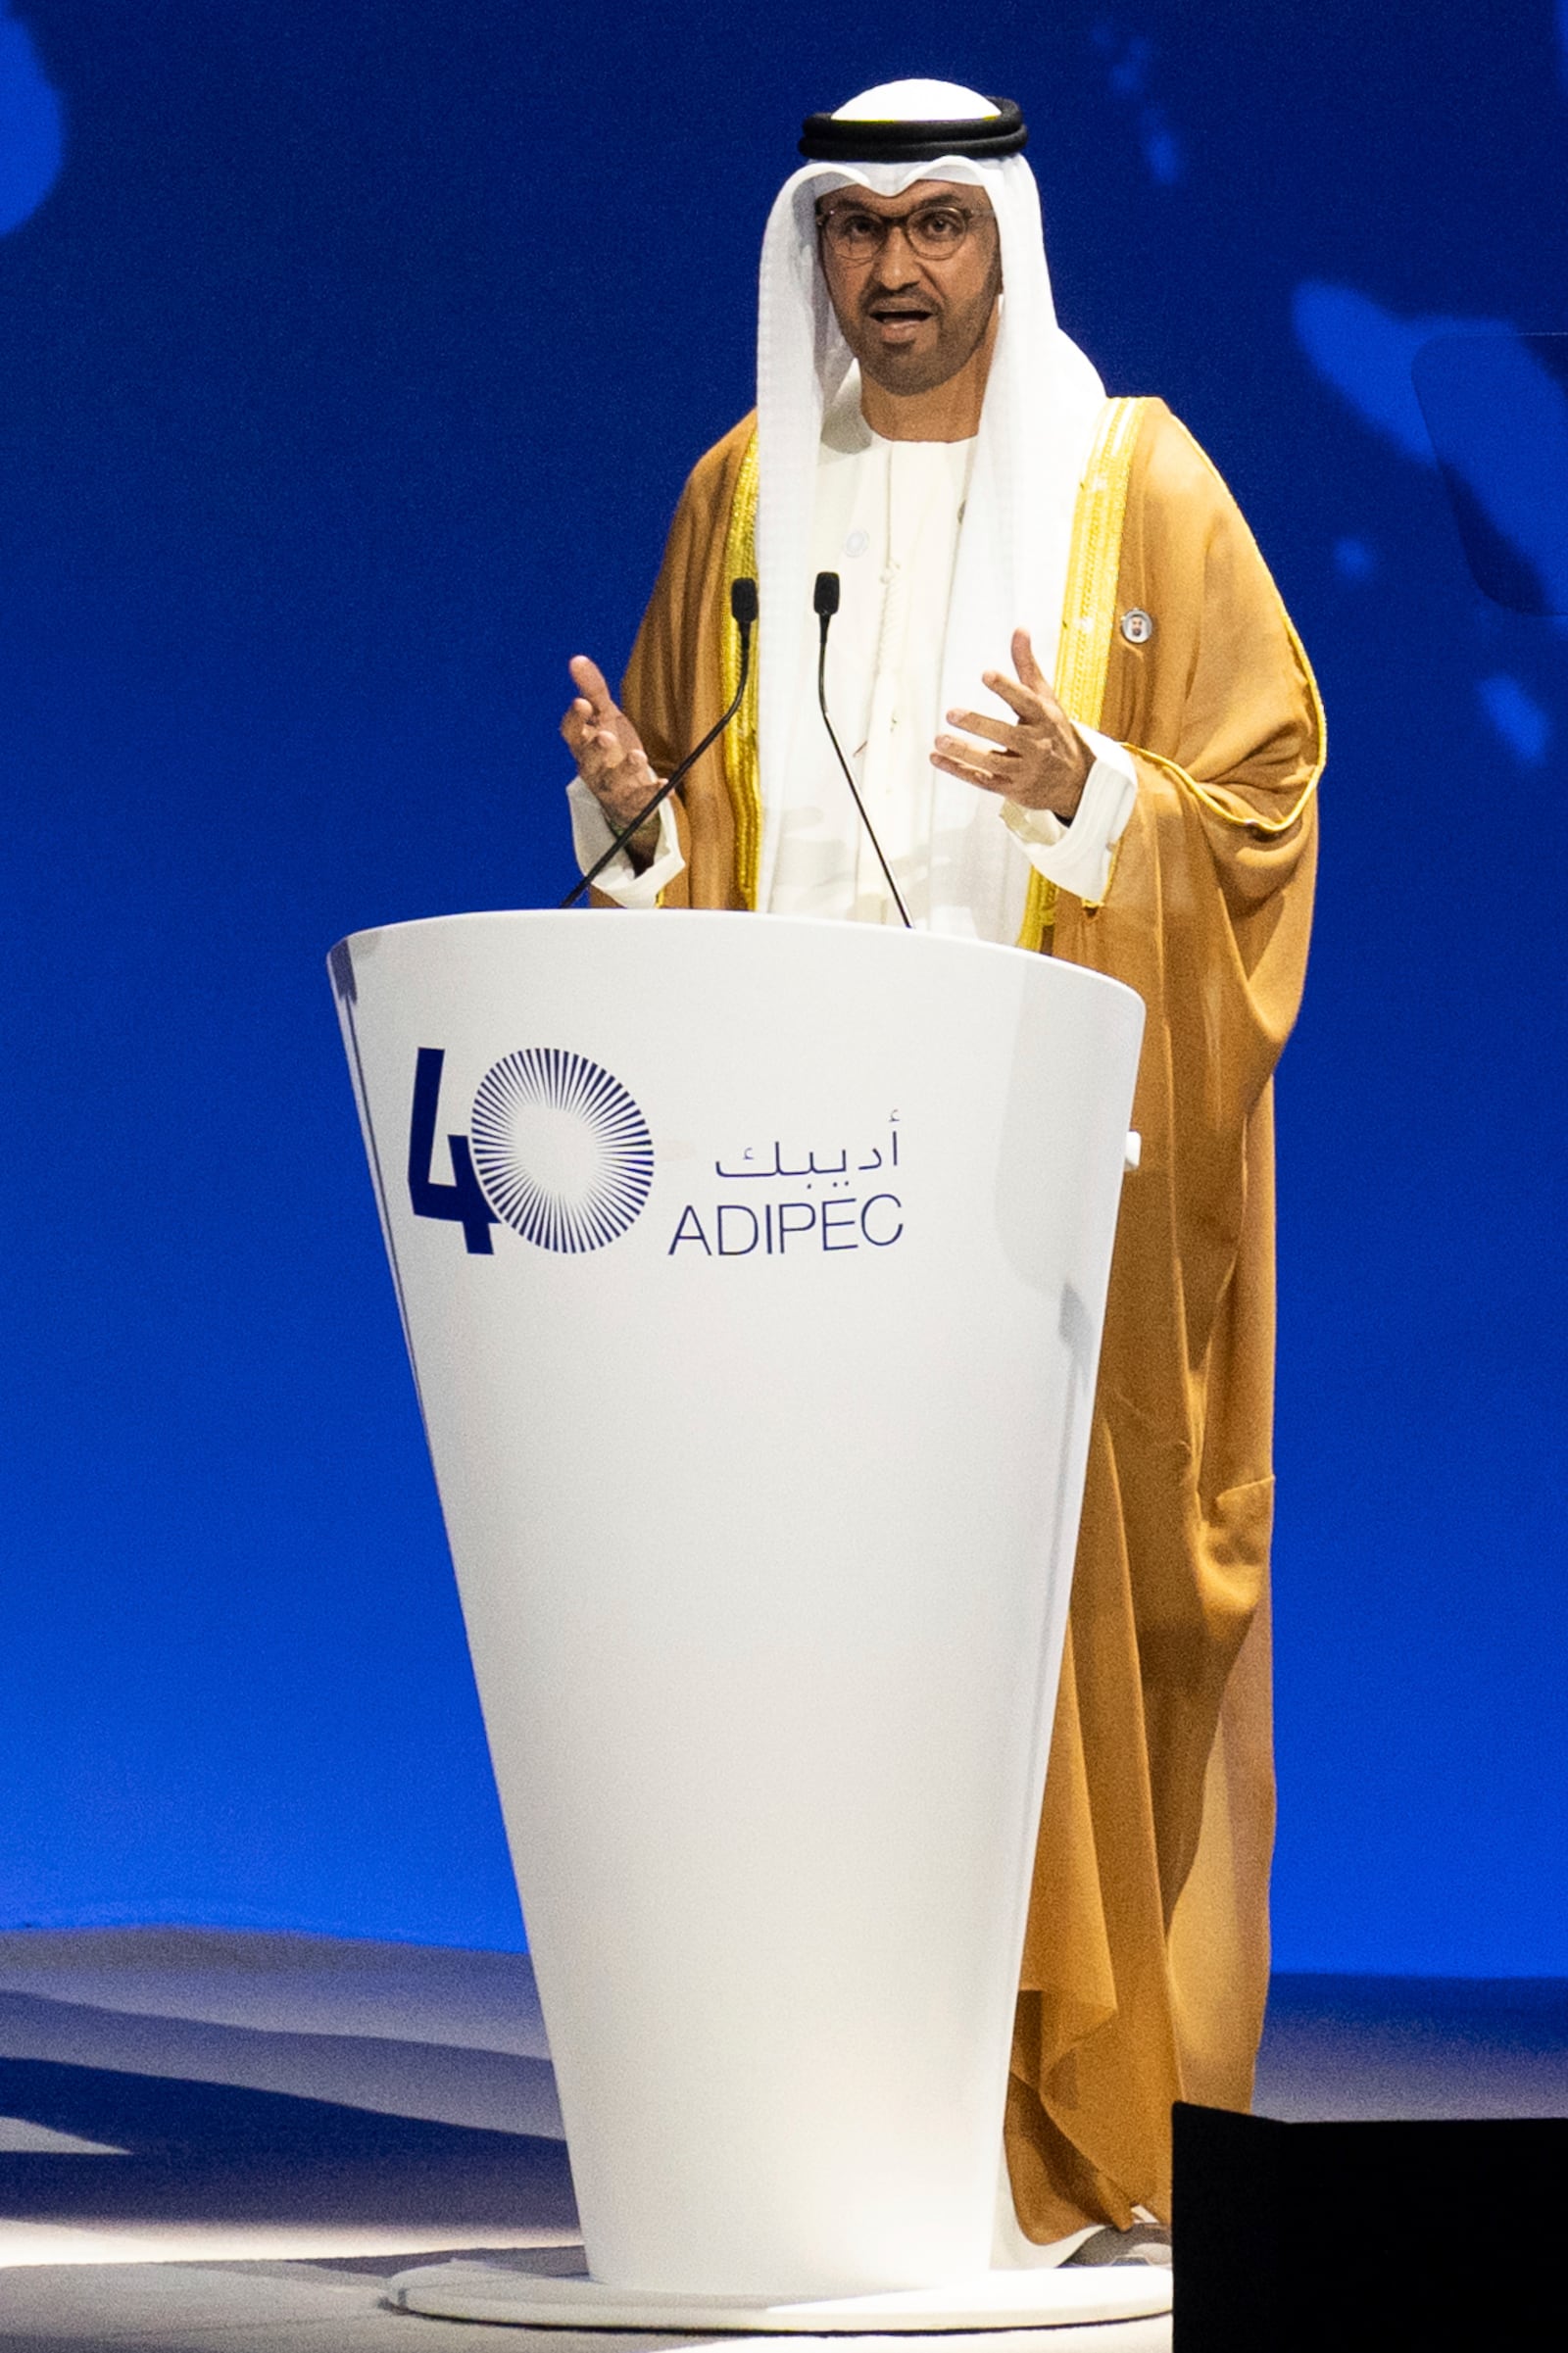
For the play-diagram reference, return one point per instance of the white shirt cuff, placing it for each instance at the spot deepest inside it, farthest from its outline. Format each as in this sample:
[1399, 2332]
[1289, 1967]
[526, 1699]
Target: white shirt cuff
[590, 837]
[1077, 857]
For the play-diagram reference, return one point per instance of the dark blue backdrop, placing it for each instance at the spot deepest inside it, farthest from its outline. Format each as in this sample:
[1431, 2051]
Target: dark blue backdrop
[352, 358]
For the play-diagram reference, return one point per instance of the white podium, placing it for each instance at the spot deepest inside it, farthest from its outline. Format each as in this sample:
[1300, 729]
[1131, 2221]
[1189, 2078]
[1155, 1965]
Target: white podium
[753, 1275]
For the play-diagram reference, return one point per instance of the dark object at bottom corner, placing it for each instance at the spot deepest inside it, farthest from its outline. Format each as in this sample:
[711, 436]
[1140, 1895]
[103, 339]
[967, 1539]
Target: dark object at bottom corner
[1351, 2235]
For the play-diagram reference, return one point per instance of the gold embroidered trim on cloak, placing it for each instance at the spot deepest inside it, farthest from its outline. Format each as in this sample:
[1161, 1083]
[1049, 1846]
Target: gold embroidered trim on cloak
[1089, 605]
[741, 772]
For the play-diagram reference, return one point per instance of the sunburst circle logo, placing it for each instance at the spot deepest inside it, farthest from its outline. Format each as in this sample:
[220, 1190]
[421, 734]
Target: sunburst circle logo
[560, 1148]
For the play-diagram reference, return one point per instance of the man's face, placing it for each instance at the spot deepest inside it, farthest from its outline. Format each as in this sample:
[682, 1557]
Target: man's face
[913, 278]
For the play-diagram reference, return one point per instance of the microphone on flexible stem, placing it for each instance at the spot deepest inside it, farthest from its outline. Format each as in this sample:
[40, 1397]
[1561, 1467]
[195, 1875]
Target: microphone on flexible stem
[825, 603]
[742, 607]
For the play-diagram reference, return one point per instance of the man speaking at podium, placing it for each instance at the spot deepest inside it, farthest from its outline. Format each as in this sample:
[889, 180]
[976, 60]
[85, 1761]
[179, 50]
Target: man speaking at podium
[1079, 720]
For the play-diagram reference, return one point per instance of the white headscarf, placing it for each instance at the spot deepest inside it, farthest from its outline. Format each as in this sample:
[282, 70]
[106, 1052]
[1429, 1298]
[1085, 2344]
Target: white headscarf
[1042, 405]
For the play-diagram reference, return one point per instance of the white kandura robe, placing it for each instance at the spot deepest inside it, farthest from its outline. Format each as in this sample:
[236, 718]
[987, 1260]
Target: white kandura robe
[886, 520]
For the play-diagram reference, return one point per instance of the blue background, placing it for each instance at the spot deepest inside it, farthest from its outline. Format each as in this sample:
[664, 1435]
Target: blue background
[353, 360]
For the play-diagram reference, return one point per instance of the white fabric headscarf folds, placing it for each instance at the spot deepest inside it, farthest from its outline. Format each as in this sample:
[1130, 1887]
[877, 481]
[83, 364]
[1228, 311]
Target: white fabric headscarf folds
[1042, 405]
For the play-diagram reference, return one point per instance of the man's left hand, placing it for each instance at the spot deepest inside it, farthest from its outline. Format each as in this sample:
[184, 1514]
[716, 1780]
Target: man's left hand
[1041, 763]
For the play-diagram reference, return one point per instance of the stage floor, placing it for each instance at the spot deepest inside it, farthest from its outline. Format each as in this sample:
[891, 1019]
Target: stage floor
[231, 2141]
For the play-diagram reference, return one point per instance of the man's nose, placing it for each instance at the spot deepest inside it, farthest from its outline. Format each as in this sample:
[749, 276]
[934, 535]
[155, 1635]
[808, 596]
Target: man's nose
[896, 252]
[897, 269]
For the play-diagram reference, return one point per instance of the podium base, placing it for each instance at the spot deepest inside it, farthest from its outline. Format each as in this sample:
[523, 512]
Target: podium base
[1061, 2298]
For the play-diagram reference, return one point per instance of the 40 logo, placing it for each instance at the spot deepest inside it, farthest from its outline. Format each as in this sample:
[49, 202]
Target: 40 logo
[555, 1149]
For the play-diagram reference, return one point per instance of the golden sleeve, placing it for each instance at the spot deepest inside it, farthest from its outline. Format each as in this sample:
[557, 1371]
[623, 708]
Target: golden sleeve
[1209, 898]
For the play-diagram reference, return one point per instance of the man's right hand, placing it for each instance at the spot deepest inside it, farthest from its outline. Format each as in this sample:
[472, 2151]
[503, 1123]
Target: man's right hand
[610, 757]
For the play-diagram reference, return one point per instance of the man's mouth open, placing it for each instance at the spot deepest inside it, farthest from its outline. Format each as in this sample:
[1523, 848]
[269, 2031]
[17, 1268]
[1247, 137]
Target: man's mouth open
[898, 321]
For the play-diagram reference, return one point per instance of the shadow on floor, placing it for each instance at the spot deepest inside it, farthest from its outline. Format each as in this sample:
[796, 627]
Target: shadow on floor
[211, 2152]
[1355, 2047]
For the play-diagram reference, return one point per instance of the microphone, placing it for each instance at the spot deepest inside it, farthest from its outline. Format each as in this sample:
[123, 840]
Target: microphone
[825, 603]
[742, 607]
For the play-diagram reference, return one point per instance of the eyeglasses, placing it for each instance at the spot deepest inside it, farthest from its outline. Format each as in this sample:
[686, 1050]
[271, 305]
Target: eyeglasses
[936, 231]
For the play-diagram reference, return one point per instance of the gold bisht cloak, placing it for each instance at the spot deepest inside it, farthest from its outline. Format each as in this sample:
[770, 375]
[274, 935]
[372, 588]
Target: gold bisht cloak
[1145, 1963]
